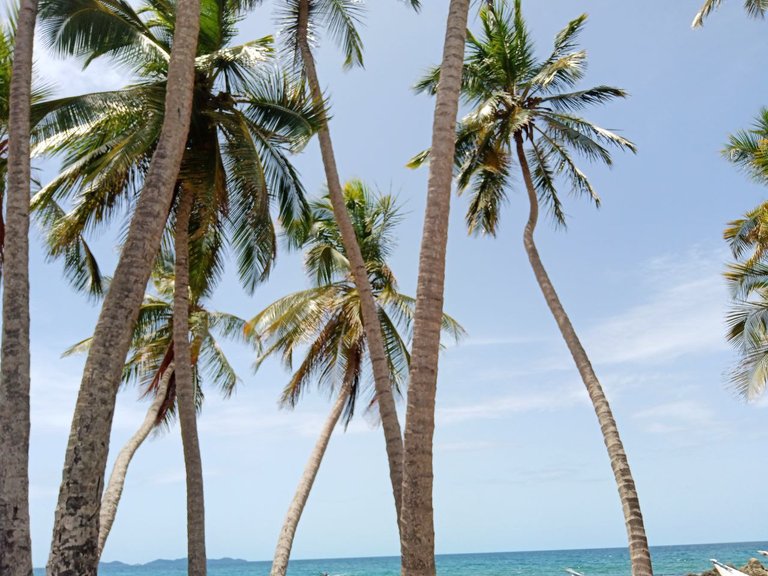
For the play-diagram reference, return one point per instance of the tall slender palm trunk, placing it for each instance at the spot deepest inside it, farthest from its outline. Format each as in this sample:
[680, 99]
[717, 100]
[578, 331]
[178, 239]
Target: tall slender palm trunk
[417, 525]
[185, 392]
[74, 547]
[381, 376]
[285, 541]
[15, 542]
[111, 498]
[638, 544]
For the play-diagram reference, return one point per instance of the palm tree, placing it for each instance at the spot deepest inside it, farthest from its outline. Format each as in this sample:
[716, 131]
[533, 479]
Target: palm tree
[109, 138]
[747, 322]
[754, 8]
[15, 541]
[299, 19]
[524, 112]
[417, 539]
[151, 365]
[748, 149]
[326, 321]
[747, 276]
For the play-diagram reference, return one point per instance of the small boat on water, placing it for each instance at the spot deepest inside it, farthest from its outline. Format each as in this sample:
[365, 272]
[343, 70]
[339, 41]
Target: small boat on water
[724, 570]
[763, 552]
[573, 572]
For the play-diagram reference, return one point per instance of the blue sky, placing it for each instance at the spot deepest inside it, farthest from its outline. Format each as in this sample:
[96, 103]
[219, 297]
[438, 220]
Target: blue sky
[519, 461]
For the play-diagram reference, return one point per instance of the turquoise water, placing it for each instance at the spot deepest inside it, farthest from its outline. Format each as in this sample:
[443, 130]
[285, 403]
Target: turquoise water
[668, 561]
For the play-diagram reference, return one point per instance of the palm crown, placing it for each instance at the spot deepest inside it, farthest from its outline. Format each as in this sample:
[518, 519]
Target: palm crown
[151, 352]
[324, 322]
[513, 95]
[246, 117]
[747, 317]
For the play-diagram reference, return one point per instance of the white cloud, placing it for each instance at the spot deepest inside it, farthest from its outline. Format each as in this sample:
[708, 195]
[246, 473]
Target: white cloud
[683, 314]
[68, 77]
[230, 420]
[466, 446]
[555, 398]
[681, 416]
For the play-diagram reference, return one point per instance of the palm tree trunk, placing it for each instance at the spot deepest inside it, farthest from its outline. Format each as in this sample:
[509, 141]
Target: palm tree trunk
[417, 526]
[114, 491]
[285, 542]
[15, 542]
[74, 547]
[380, 367]
[185, 392]
[638, 544]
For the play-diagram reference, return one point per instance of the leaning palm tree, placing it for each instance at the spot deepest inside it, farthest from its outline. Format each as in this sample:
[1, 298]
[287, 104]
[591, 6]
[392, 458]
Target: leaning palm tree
[234, 158]
[754, 8]
[524, 116]
[326, 322]
[74, 547]
[15, 540]
[151, 366]
[300, 19]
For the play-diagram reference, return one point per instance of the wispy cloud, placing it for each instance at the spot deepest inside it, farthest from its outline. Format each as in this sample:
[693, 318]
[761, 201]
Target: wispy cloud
[553, 399]
[495, 341]
[467, 446]
[67, 76]
[682, 313]
[230, 420]
[684, 423]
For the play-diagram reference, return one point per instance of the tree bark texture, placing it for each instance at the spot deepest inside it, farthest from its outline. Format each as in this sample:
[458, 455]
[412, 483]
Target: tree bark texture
[417, 522]
[185, 393]
[74, 547]
[111, 498]
[15, 541]
[285, 541]
[385, 399]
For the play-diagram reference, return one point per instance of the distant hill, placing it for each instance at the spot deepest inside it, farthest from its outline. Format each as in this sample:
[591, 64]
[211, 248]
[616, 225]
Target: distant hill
[177, 564]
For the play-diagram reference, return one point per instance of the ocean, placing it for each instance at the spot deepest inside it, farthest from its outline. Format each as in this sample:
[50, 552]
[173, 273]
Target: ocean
[667, 560]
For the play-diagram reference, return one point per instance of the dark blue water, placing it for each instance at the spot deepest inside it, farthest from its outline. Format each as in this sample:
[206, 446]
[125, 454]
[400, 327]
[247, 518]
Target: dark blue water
[667, 560]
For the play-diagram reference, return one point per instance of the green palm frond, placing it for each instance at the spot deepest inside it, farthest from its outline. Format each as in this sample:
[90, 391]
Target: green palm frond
[514, 95]
[324, 323]
[339, 18]
[280, 105]
[748, 149]
[247, 118]
[253, 236]
[754, 8]
[749, 234]
[237, 66]
[90, 29]
[747, 323]
[575, 101]
[151, 351]
[80, 266]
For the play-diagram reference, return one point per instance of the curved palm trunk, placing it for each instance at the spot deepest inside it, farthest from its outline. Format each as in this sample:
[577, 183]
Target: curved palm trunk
[417, 525]
[114, 491]
[380, 367]
[74, 548]
[185, 393]
[633, 518]
[285, 542]
[15, 542]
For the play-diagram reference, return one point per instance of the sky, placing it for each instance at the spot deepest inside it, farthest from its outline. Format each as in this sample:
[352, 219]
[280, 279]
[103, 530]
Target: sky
[519, 460]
